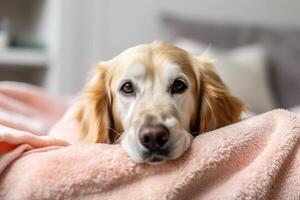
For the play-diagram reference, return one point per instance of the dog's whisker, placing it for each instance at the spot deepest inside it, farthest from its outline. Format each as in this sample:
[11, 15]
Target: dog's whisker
[114, 131]
[119, 135]
[117, 141]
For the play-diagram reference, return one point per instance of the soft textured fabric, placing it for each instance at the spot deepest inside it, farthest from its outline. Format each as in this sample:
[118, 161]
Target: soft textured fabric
[255, 159]
[13, 143]
[26, 114]
[282, 44]
[242, 69]
[26, 107]
[258, 158]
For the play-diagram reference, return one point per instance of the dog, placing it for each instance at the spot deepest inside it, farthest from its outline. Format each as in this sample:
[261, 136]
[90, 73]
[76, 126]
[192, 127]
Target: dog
[153, 99]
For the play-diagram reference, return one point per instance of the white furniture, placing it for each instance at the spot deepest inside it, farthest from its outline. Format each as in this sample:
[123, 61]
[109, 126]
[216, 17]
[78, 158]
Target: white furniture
[34, 36]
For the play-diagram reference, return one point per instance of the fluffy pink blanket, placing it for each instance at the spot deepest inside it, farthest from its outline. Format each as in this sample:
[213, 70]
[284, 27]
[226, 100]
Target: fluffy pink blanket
[258, 158]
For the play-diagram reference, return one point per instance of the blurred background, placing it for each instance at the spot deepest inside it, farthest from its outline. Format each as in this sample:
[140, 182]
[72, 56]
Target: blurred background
[54, 43]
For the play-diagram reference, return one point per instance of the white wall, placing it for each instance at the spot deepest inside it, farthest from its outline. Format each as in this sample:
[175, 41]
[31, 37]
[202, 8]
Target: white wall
[99, 29]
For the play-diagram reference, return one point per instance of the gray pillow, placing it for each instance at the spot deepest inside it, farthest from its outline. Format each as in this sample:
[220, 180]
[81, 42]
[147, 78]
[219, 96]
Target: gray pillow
[283, 47]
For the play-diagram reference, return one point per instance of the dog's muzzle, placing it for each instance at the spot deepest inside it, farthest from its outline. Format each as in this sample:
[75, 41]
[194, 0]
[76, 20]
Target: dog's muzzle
[154, 138]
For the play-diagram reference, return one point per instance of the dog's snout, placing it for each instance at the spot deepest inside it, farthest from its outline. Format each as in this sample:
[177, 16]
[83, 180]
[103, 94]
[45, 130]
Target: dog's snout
[153, 137]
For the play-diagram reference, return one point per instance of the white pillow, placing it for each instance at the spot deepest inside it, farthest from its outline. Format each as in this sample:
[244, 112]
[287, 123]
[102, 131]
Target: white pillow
[295, 109]
[243, 70]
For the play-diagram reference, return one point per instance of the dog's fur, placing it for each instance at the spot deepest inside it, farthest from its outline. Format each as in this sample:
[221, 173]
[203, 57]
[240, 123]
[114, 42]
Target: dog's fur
[105, 116]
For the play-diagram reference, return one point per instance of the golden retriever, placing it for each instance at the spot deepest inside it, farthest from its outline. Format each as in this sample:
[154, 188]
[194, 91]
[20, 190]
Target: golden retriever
[153, 98]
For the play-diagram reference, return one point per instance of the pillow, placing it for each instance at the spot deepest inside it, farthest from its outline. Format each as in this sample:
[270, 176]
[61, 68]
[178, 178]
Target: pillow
[243, 70]
[295, 109]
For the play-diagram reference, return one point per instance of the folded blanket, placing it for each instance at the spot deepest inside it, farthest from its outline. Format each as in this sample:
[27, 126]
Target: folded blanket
[258, 158]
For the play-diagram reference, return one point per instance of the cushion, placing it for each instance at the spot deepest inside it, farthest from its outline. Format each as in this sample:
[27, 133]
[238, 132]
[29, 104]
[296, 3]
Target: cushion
[244, 71]
[295, 109]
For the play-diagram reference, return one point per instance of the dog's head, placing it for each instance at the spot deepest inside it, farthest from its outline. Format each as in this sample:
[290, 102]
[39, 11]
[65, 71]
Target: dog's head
[153, 98]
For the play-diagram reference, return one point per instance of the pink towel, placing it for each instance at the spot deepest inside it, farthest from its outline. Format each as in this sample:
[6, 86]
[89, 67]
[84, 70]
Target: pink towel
[258, 158]
[26, 114]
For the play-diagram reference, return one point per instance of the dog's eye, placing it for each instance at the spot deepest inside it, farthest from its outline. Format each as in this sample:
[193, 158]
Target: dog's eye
[178, 87]
[127, 88]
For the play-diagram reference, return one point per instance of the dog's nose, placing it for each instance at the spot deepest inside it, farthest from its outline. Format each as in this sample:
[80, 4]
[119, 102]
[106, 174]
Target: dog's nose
[153, 137]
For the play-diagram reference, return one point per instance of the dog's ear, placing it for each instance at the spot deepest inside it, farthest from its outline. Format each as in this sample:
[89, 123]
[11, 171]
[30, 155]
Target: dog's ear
[93, 113]
[218, 107]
